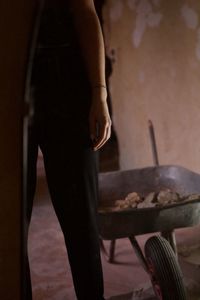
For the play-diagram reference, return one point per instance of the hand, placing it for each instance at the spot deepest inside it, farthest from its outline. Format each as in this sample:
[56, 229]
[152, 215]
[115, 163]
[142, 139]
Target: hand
[100, 122]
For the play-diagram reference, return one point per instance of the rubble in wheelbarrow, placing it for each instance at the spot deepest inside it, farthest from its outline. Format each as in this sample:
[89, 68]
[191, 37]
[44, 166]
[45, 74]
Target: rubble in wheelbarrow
[153, 199]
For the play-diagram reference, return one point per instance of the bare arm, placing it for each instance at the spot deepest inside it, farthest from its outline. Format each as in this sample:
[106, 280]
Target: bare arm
[92, 44]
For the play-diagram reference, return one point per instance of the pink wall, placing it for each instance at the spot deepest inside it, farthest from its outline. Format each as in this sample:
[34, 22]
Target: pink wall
[156, 76]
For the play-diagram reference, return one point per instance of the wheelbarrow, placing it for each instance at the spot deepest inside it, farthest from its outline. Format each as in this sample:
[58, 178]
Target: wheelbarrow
[159, 259]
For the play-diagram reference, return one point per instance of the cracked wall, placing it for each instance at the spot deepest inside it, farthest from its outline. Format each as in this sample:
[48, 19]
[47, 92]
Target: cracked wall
[155, 48]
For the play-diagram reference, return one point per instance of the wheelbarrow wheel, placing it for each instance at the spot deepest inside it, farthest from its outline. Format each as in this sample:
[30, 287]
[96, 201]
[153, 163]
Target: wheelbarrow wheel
[164, 270]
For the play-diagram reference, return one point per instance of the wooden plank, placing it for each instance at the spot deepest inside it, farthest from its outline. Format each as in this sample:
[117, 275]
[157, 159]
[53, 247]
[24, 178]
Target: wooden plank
[16, 22]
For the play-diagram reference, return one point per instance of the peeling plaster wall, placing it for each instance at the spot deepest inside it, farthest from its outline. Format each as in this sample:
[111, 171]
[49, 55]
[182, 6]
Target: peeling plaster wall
[156, 75]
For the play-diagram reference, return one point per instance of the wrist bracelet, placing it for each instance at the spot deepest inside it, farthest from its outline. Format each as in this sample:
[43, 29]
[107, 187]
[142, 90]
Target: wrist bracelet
[99, 86]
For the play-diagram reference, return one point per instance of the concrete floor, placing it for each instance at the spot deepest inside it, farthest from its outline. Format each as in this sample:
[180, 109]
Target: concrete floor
[124, 280]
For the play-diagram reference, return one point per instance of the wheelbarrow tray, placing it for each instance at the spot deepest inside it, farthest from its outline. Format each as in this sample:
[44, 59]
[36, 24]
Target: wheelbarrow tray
[124, 223]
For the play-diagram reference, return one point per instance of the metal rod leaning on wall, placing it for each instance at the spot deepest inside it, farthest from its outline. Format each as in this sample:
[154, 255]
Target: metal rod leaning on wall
[153, 143]
[168, 235]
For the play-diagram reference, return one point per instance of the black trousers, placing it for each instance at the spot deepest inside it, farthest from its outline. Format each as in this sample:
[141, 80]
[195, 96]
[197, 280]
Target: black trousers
[71, 173]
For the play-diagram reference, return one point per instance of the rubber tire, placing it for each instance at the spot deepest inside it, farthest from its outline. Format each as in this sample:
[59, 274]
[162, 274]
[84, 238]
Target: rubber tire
[164, 270]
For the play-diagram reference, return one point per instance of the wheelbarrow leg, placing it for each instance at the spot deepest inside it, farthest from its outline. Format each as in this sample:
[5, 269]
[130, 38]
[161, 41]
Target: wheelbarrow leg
[139, 253]
[112, 251]
[109, 255]
[171, 238]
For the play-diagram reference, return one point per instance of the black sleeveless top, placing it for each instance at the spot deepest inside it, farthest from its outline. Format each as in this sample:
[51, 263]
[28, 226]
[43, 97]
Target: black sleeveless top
[56, 24]
[59, 75]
